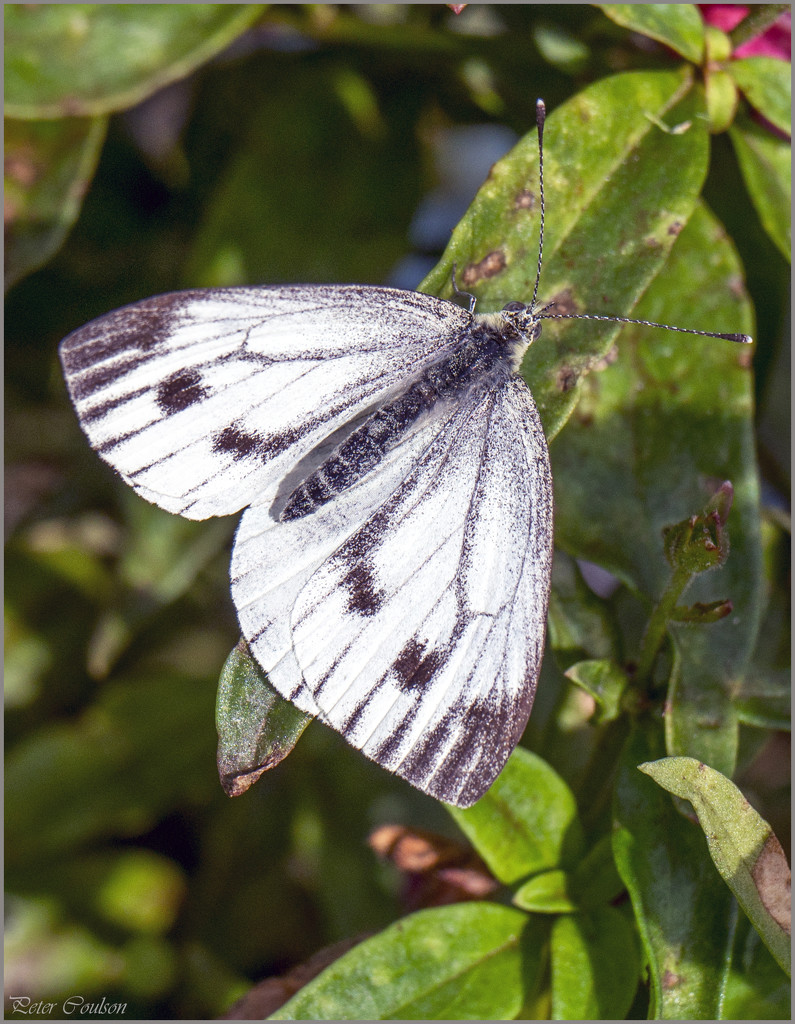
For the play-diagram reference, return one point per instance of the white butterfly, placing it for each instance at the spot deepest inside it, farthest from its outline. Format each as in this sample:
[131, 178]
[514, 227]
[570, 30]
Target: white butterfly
[398, 589]
[391, 568]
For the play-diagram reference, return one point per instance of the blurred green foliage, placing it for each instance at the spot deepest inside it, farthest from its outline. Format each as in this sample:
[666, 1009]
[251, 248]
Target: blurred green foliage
[154, 147]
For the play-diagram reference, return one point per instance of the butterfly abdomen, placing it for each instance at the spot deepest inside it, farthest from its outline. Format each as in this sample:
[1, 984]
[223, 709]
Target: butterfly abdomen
[479, 360]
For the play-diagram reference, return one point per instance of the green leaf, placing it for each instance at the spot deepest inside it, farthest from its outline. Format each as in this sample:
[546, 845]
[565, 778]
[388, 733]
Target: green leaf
[700, 715]
[68, 60]
[757, 988]
[595, 966]
[678, 26]
[526, 822]
[745, 851]
[257, 728]
[767, 85]
[763, 696]
[652, 433]
[672, 410]
[766, 165]
[722, 100]
[546, 893]
[683, 911]
[449, 963]
[595, 880]
[605, 681]
[618, 190]
[764, 699]
[47, 170]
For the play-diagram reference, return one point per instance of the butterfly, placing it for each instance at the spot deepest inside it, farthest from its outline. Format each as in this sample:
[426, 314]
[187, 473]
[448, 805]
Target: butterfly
[391, 569]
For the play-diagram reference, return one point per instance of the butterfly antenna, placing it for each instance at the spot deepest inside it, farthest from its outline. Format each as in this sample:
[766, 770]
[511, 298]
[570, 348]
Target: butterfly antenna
[743, 339]
[541, 113]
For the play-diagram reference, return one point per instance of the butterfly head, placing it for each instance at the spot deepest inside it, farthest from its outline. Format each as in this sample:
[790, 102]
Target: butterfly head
[524, 320]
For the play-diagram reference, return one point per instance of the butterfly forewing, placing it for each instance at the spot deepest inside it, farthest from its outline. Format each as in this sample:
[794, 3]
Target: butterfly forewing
[204, 400]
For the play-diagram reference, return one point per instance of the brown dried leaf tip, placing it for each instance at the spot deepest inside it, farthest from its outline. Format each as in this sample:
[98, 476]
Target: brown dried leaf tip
[773, 881]
[438, 870]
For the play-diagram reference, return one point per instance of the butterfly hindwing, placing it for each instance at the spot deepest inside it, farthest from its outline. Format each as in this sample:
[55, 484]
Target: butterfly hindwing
[419, 633]
[204, 400]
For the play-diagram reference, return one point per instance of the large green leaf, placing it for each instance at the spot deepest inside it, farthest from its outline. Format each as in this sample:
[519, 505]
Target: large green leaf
[653, 431]
[684, 913]
[527, 822]
[667, 410]
[47, 170]
[449, 963]
[764, 697]
[66, 60]
[767, 83]
[766, 165]
[618, 190]
[747, 854]
[595, 965]
[676, 25]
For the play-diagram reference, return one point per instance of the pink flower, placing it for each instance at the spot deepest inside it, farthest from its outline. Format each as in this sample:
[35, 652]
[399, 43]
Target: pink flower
[775, 41]
[724, 16]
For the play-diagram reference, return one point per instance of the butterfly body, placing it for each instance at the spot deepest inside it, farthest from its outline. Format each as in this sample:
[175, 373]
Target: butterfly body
[481, 356]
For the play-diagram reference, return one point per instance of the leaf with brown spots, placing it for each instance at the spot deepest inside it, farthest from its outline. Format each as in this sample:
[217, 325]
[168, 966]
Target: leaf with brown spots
[745, 851]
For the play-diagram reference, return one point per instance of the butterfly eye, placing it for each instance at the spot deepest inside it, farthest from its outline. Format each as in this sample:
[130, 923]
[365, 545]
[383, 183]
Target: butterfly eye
[514, 307]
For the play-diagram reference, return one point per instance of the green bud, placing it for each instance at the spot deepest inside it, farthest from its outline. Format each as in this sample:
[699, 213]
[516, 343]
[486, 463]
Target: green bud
[702, 541]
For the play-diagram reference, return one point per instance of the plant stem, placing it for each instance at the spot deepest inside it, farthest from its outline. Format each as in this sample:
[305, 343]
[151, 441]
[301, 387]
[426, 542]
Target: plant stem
[654, 637]
[756, 22]
[597, 787]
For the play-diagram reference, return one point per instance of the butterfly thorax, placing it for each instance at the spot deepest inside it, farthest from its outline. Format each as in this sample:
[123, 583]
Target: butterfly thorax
[480, 359]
